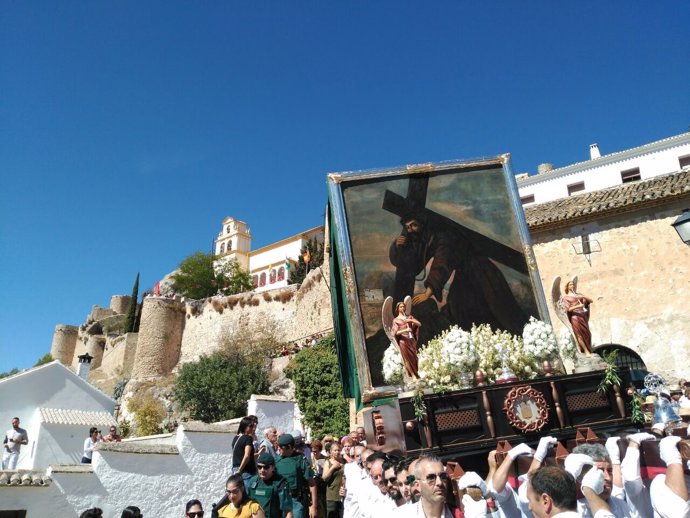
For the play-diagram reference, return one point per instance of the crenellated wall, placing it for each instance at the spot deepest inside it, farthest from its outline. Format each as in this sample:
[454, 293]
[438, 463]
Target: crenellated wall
[288, 313]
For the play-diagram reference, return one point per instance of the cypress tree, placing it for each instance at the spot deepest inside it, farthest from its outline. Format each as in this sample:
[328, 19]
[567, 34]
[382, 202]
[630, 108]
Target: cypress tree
[132, 310]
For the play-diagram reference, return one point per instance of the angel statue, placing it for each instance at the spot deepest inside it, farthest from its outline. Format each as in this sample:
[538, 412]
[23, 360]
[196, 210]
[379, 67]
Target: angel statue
[573, 310]
[403, 330]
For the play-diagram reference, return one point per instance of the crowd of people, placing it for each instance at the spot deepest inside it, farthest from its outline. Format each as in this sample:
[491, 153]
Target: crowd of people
[279, 475]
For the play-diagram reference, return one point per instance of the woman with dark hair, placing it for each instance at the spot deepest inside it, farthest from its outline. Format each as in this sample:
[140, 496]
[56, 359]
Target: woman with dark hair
[243, 449]
[131, 511]
[240, 505]
[94, 512]
[193, 509]
[93, 438]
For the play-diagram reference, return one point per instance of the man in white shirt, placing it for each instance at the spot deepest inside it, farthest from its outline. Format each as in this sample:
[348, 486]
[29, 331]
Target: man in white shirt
[356, 477]
[669, 492]
[551, 491]
[432, 479]
[375, 494]
[14, 438]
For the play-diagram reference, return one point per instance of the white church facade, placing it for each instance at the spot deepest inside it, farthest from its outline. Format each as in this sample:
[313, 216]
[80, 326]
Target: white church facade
[269, 266]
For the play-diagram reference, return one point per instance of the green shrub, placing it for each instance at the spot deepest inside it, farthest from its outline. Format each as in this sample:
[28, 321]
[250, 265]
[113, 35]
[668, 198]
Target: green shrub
[149, 412]
[217, 387]
[318, 390]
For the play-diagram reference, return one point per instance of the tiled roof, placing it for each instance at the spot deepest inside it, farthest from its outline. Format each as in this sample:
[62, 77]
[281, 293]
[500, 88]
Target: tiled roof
[10, 477]
[621, 198]
[81, 417]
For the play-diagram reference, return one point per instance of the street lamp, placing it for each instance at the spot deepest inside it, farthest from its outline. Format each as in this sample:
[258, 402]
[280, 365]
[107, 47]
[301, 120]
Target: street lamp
[682, 226]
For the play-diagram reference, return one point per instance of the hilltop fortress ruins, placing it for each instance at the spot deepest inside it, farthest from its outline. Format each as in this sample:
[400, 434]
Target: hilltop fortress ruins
[173, 331]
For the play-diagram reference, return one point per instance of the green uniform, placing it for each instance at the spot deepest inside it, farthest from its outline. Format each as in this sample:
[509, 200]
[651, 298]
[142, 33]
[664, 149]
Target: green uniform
[274, 495]
[297, 471]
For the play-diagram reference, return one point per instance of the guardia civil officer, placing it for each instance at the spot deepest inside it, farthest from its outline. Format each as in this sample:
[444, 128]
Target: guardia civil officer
[295, 468]
[271, 490]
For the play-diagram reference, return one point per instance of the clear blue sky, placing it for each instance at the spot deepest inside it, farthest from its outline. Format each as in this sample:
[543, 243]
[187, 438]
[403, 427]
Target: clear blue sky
[129, 129]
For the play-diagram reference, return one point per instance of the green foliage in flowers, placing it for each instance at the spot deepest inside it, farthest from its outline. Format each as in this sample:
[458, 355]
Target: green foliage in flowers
[418, 403]
[611, 376]
[636, 413]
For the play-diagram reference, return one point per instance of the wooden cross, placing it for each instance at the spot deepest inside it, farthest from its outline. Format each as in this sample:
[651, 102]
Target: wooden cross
[415, 202]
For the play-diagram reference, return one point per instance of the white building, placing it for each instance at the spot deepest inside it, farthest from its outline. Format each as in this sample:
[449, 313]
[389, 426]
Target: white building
[158, 474]
[56, 408]
[268, 265]
[602, 171]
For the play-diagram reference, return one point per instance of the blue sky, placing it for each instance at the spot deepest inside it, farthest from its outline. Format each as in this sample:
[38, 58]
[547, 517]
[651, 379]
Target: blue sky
[129, 129]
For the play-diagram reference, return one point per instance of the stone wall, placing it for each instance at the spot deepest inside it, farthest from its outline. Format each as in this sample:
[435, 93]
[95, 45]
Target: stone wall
[99, 313]
[95, 346]
[64, 343]
[639, 282]
[289, 314]
[160, 337]
[118, 356]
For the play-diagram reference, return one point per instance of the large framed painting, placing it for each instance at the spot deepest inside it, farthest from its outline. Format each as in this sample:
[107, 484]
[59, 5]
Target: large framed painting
[450, 236]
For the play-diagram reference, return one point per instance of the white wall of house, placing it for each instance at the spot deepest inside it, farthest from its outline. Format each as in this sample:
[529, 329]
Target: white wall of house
[653, 159]
[159, 475]
[49, 386]
[59, 444]
[36, 500]
[274, 411]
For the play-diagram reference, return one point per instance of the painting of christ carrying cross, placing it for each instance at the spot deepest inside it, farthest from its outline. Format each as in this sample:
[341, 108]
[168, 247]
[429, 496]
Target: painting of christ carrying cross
[451, 238]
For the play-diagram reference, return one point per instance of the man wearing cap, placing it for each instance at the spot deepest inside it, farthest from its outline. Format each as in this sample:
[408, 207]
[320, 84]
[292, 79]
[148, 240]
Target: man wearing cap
[296, 470]
[271, 490]
[300, 446]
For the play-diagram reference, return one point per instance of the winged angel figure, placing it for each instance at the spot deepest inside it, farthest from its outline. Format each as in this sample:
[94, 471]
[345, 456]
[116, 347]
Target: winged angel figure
[402, 330]
[573, 309]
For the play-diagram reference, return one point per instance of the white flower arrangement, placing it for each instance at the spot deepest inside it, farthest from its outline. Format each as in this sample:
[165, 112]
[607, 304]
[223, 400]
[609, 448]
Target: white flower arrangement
[539, 340]
[490, 343]
[566, 344]
[445, 358]
[393, 364]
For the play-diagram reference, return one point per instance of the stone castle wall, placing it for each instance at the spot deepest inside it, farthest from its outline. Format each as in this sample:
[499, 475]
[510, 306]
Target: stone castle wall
[289, 314]
[64, 343]
[639, 283]
[120, 304]
[160, 337]
[118, 356]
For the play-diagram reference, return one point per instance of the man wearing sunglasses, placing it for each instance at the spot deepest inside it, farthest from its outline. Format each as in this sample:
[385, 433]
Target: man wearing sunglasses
[270, 489]
[431, 477]
[391, 481]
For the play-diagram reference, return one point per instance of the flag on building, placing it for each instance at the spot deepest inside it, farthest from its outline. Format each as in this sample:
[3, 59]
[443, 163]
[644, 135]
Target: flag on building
[306, 256]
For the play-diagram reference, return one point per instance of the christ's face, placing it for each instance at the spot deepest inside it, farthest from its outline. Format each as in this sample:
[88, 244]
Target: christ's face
[413, 226]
